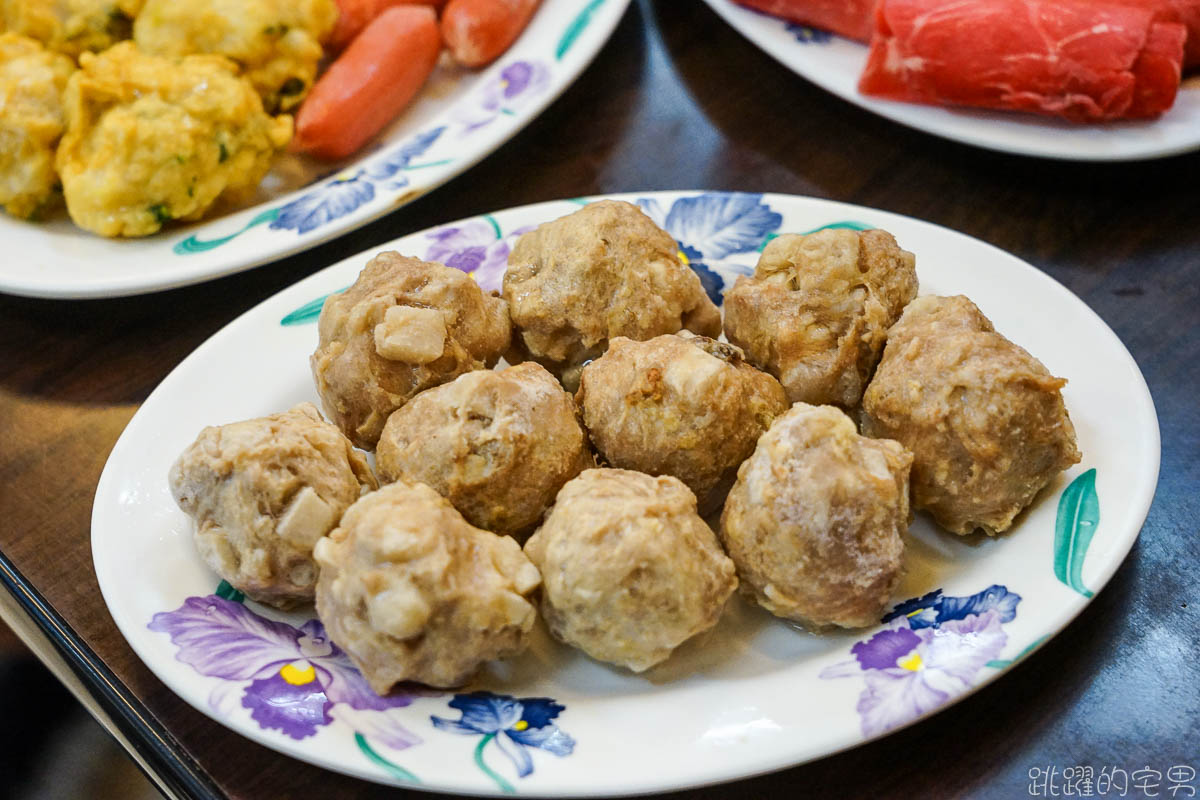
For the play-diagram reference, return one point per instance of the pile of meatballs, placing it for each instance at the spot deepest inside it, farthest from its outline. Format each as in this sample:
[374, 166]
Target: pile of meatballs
[579, 479]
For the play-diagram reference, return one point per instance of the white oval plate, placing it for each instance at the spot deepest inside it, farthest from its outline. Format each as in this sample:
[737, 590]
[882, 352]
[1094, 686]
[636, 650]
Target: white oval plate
[459, 117]
[755, 694]
[835, 64]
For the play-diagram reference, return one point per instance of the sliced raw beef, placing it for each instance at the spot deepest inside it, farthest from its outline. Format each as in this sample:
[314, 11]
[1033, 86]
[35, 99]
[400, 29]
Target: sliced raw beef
[1086, 61]
[1185, 11]
[849, 18]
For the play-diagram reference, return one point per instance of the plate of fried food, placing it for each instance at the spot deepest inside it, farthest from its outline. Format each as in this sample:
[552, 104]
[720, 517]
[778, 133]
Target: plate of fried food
[1066, 79]
[624, 494]
[148, 144]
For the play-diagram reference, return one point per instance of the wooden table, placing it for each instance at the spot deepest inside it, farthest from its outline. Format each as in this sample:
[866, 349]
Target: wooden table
[678, 100]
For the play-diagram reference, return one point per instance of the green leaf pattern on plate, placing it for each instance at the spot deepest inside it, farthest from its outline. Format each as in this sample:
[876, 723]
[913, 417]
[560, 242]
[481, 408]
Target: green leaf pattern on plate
[1078, 518]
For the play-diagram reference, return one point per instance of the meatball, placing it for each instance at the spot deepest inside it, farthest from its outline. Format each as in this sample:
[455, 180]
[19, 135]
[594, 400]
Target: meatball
[816, 313]
[413, 592]
[276, 42]
[680, 405]
[262, 492]
[71, 26]
[984, 419]
[32, 80]
[497, 445]
[151, 139]
[605, 271]
[630, 570]
[404, 326]
[816, 517]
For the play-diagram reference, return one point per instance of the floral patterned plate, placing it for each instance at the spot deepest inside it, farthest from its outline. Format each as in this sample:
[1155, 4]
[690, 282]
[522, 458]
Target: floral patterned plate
[755, 694]
[459, 118]
[834, 64]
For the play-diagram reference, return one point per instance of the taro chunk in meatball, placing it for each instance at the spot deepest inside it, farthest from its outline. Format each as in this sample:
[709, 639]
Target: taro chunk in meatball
[984, 419]
[631, 571]
[403, 327]
[815, 520]
[262, 492]
[413, 592]
[497, 445]
[604, 271]
[681, 405]
[816, 313]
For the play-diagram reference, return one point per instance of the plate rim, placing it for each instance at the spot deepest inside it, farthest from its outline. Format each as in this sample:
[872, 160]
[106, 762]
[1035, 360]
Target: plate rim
[1062, 616]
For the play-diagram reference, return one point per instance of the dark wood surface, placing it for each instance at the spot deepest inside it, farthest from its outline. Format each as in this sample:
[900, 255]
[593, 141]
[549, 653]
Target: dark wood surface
[678, 100]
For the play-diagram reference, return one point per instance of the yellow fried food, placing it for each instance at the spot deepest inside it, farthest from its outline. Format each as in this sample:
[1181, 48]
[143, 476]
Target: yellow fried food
[277, 43]
[72, 26]
[152, 139]
[31, 121]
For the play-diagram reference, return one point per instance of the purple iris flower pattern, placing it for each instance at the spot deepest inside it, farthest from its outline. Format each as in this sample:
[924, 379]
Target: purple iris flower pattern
[476, 247]
[711, 227]
[294, 680]
[515, 725]
[515, 86]
[806, 35]
[931, 651]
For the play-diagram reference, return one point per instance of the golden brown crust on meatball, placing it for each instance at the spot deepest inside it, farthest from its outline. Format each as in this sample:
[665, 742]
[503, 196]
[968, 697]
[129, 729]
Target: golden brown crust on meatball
[413, 592]
[604, 271]
[630, 570]
[497, 445]
[984, 419]
[680, 405]
[404, 326]
[262, 492]
[816, 518]
[816, 313]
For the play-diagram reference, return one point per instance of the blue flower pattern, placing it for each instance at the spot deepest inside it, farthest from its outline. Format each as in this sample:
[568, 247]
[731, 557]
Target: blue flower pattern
[515, 725]
[806, 35]
[344, 194]
[713, 226]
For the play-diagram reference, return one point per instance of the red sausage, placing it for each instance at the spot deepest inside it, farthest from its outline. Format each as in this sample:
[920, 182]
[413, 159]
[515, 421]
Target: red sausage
[354, 15]
[370, 83]
[479, 31]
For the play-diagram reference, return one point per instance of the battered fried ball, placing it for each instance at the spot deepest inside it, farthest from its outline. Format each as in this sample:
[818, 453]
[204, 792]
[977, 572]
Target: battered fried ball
[816, 313]
[152, 139]
[276, 42]
[630, 570]
[815, 520]
[604, 271]
[71, 26]
[497, 445]
[262, 492]
[412, 592]
[681, 405]
[32, 80]
[984, 419]
[404, 326]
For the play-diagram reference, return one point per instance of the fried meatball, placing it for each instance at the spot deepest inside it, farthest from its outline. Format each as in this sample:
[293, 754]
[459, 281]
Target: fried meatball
[276, 42]
[32, 80]
[497, 445]
[72, 26]
[681, 405]
[413, 592]
[262, 492]
[404, 326]
[816, 517]
[816, 313]
[152, 139]
[605, 271]
[984, 419]
[630, 570]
